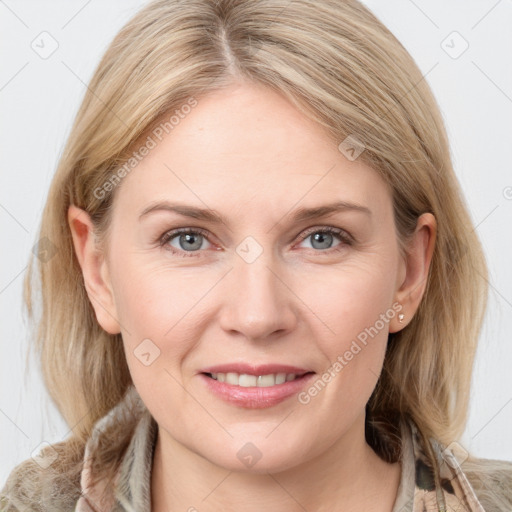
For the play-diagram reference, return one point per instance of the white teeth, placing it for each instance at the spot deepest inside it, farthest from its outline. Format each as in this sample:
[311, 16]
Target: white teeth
[264, 381]
[247, 380]
[232, 378]
[261, 381]
[280, 378]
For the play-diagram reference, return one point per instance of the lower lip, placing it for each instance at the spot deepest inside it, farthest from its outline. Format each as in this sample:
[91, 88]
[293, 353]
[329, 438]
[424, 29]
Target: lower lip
[254, 397]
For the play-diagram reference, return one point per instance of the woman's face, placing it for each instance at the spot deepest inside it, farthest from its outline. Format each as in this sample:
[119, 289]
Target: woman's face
[264, 291]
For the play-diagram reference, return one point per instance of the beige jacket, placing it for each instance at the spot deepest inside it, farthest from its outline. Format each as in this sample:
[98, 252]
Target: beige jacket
[417, 491]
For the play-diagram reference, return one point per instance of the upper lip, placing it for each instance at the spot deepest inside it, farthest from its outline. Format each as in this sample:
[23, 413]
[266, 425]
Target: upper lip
[251, 369]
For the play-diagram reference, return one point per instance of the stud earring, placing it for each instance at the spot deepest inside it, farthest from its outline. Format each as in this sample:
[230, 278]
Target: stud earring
[401, 317]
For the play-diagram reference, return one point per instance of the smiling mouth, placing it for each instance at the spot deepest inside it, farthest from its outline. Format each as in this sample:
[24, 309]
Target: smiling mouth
[261, 381]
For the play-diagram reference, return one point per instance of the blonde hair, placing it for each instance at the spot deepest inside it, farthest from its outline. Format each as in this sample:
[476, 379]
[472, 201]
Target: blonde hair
[337, 63]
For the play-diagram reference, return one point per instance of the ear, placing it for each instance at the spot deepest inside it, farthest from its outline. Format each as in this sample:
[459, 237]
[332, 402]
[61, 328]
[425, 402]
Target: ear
[414, 272]
[94, 269]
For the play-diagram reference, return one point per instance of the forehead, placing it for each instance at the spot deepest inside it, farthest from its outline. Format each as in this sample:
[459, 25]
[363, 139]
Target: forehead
[248, 146]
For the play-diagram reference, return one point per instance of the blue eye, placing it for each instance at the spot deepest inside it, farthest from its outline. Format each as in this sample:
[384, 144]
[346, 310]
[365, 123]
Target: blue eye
[189, 241]
[322, 238]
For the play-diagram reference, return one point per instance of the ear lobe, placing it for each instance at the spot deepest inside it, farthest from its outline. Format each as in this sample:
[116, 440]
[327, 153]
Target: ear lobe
[94, 269]
[418, 258]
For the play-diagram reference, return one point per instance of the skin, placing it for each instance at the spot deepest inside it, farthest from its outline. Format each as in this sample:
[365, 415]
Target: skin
[252, 157]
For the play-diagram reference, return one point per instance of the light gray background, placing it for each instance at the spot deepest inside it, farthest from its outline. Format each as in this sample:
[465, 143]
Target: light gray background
[39, 98]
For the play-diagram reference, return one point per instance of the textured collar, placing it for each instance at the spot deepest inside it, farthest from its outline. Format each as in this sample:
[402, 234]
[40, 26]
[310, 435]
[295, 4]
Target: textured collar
[132, 482]
[417, 490]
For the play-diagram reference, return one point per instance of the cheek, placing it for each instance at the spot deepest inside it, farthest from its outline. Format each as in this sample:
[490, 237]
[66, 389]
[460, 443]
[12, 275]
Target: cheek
[159, 304]
[354, 307]
[144, 304]
[157, 332]
[140, 303]
[151, 295]
[350, 299]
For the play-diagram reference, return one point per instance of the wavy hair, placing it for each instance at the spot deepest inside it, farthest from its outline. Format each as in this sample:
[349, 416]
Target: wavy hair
[337, 63]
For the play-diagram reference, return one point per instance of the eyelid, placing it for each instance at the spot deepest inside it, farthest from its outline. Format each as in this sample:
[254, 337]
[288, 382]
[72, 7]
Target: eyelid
[345, 237]
[171, 233]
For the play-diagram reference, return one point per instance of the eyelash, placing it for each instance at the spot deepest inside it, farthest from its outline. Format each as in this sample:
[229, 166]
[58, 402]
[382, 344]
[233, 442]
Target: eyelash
[345, 238]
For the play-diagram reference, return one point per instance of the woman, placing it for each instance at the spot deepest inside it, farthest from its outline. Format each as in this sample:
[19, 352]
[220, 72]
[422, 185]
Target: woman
[263, 293]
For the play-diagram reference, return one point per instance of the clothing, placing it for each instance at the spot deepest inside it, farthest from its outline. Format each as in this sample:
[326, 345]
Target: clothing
[417, 491]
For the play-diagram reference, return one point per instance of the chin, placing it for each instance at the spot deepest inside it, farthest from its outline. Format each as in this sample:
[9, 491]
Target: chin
[274, 464]
[260, 456]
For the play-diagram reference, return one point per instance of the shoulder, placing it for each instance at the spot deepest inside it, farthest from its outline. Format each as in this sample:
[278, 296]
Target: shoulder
[34, 485]
[57, 477]
[479, 483]
[492, 482]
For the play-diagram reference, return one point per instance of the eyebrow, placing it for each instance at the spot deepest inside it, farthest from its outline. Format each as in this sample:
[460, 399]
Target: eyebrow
[208, 215]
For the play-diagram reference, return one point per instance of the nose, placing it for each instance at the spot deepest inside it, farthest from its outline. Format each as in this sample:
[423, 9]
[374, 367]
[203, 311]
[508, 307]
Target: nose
[258, 303]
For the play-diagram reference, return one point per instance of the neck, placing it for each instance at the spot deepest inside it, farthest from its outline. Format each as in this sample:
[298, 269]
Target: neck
[347, 476]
